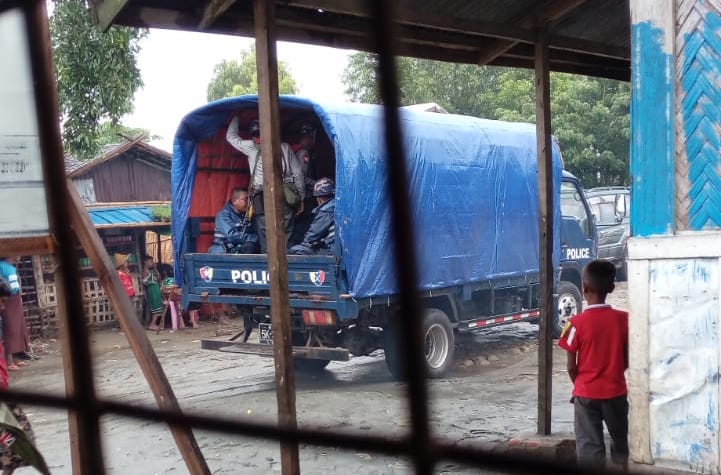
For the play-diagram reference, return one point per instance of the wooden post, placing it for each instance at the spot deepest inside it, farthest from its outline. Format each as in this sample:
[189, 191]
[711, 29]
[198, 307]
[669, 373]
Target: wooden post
[83, 415]
[126, 316]
[274, 204]
[545, 234]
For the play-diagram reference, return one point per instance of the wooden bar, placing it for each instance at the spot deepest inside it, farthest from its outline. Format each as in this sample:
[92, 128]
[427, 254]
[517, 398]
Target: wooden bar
[83, 414]
[545, 234]
[26, 246]
[127, 319]
[274, 204]
[419, 438]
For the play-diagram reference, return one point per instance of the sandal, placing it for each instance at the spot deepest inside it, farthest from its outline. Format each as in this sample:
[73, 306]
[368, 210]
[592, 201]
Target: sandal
[22, 363]
[13, 367]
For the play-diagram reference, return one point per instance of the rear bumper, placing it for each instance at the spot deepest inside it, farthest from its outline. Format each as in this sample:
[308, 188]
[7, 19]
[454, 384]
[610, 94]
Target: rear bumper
[299, 352]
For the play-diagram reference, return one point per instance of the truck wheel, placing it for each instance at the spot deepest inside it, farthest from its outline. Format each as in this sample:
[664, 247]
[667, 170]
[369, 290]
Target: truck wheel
[438, 342]
[570, 303]
[306, 365]
[438, 345]
[310, 366]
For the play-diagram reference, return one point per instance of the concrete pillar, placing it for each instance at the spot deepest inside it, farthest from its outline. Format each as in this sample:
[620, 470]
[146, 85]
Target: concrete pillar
[675, 252]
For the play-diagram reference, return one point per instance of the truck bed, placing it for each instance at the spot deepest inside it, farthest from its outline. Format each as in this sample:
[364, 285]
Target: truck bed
[314, 282]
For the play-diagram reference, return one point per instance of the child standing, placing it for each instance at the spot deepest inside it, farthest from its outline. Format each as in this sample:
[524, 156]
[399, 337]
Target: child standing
[597, 345]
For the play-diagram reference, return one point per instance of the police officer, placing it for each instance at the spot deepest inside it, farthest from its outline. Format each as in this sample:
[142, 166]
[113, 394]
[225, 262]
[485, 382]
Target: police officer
[292, 176]
[320, 237]
[234, 232]
[306, 133]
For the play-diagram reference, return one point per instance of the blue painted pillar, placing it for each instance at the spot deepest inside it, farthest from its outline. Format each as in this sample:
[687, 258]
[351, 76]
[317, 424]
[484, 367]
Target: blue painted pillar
[674, 256]
[652, 124]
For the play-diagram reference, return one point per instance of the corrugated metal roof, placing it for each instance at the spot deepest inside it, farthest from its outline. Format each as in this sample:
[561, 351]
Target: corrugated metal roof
[133, 216]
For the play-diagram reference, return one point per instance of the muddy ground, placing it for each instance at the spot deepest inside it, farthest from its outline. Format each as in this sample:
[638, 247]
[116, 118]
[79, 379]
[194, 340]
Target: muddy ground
[489, 397]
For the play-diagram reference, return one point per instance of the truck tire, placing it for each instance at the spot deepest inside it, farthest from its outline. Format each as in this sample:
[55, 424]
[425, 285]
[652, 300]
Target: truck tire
[438, 345]
[310, 366]
[570, 303]
[438, 342]
[303, 364]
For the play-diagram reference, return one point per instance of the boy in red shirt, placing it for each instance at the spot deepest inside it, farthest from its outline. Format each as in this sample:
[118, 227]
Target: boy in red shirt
[597, 345]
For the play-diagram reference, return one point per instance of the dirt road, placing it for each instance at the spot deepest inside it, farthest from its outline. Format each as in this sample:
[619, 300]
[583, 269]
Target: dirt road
[489, 397]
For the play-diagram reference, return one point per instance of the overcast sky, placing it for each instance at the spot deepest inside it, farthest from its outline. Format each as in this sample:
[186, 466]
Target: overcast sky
[177, 66]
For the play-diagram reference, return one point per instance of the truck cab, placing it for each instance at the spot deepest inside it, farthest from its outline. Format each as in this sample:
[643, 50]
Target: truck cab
[578, 247]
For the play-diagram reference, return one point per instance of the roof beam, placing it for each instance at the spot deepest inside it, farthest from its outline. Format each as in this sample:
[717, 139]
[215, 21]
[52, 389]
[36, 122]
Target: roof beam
[357, 8]
[107, 11]
[460, 39]
[213, 10]
[548, 13]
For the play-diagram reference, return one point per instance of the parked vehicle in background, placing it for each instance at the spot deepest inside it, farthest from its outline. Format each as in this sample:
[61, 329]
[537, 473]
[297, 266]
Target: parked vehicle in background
[474, 190]
[611, 206]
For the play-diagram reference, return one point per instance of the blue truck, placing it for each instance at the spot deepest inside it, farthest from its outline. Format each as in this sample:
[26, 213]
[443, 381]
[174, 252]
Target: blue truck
[473, 189]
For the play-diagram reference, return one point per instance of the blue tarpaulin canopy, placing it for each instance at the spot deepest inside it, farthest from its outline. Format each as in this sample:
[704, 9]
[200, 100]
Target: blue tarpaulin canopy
[473, 186]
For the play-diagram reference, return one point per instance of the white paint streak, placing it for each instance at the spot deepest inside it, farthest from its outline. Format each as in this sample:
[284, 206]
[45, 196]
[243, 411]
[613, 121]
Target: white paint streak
[639, 442]
[660, 14]
[684, 362]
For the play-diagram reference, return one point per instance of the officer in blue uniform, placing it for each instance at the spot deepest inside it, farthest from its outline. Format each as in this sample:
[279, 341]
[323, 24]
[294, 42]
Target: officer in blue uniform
[320, 237]
[234, 232]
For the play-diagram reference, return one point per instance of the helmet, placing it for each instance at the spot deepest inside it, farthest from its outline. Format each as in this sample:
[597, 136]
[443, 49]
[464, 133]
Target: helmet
[324, 187]
[254, 128]
[306, 128]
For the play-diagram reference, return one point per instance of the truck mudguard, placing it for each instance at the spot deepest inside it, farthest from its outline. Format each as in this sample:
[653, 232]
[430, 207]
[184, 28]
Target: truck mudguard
[472, 183]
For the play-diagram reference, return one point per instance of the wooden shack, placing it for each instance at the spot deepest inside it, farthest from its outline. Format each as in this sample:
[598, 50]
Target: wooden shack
[126, 191]
[133, 171]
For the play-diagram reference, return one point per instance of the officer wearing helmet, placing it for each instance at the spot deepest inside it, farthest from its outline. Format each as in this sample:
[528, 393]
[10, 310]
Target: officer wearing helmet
[320, 237]
[293, 177]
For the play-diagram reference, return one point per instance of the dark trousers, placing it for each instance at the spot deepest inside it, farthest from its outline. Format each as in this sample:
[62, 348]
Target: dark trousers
[589, 416]
[289, 214]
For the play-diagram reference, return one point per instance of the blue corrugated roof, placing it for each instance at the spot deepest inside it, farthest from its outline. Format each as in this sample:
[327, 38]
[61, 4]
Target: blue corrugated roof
[119, 216]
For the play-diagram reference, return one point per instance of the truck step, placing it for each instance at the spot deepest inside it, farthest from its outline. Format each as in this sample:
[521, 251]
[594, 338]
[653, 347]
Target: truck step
[300, 352]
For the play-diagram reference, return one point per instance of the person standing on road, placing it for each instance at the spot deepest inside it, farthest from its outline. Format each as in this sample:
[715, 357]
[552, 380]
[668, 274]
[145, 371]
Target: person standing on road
[16, 450]
[153, 299]
[597, 344]
[121, 265]
[14, 328]
[293, 179]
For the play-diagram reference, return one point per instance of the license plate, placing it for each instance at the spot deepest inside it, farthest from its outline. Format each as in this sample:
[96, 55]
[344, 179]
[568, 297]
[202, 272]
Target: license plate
[266, 333]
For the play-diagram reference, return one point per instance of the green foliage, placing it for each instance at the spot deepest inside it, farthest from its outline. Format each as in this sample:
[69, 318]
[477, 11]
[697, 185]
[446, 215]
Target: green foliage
[590, 117]
[97, 74]
[234, 78]
[160, 213]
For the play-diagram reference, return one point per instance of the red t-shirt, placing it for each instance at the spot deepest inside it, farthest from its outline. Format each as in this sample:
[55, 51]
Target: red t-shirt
[599, 337]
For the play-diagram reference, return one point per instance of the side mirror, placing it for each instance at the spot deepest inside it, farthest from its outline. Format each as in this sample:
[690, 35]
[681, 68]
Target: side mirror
[620, 207]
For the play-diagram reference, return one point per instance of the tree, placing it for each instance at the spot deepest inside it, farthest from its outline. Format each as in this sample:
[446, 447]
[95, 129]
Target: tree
[590, 117]
[234, 78]
[97, 74]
